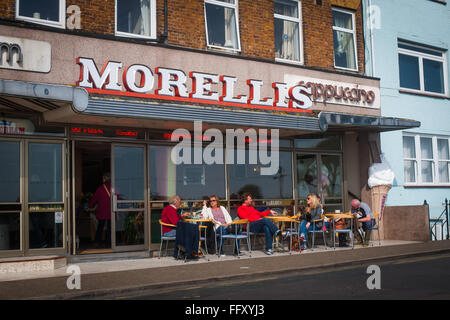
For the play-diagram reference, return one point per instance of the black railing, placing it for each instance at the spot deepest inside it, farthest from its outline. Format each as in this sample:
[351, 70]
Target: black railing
[442, 221]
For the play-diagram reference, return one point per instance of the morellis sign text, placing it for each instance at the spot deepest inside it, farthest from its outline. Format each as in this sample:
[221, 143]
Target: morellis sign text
[172, 84]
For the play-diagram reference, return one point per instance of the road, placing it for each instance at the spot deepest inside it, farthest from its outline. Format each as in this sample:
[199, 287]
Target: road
[425, 277]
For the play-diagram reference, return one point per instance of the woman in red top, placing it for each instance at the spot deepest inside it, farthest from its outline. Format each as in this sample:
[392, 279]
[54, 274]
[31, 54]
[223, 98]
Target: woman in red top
[259, 224]
[102, 198]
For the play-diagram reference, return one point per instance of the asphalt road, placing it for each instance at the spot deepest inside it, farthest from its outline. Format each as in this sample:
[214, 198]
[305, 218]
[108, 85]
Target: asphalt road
[426, 277]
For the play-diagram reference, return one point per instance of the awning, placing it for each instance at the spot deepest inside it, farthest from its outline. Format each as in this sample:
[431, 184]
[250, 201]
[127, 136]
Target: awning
[343, 122]
[21, 97]
[207, 114]
[67, 104]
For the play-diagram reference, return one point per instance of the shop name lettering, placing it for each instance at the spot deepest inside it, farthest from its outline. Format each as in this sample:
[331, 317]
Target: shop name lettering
[172, 84]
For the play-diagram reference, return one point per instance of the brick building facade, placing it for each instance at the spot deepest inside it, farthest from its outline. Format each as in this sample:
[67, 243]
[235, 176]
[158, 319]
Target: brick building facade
[186, 26]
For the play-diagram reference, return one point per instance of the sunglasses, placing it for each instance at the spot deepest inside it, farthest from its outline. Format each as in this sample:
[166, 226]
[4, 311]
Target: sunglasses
[213, 200]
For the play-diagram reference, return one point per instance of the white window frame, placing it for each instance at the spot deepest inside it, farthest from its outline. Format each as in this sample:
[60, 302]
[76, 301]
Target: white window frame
[421, 56]
[133, 35]
[300, 32]
[418, 160]
[352, 32]
[236, 15]
[58, 24]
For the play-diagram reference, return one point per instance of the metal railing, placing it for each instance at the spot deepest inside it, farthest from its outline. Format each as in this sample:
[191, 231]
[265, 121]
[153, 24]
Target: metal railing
[442, 221]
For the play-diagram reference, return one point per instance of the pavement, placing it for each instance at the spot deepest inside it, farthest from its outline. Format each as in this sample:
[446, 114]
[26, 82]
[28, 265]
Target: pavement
[106, 276]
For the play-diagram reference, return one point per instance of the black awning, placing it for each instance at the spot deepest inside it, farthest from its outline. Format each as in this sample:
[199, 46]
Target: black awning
[341, 122]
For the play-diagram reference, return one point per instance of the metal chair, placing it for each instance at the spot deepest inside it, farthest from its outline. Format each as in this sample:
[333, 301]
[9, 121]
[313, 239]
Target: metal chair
[165, 238]
[349, 231]
[314, 231]
[376, 226]
[236, 236]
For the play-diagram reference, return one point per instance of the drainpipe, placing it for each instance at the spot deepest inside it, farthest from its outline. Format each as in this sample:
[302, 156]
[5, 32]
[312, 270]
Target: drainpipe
[163, 37]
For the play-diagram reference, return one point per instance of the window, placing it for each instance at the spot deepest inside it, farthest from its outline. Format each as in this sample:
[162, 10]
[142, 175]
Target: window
[421, 69]
[288, 32]
[222, 24]
[426, 159]
[48, 12]
[344, 40]
[136, 18]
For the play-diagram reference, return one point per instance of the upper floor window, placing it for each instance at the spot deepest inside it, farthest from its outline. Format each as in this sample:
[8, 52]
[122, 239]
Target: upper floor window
[136, 18]
[47, 12]
[344, 39]
[422, 69]
[222, 24]
[288, 30]
[426, 159]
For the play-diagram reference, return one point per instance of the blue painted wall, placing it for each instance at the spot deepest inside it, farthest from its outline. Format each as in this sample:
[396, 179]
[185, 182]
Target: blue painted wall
[424, 22]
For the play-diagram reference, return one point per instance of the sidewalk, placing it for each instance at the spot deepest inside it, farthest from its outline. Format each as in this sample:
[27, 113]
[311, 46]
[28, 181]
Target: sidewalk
[107, 277]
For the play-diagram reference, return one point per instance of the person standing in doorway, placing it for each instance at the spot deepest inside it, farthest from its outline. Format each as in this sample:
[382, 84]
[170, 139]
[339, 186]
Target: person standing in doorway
[102, 198]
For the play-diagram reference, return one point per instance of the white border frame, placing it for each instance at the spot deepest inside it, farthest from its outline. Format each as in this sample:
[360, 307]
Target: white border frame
[58, 24]
[352, 32]
[138, 36]
[236, 15]
[298, 20]
[418, 160]
[421, 56]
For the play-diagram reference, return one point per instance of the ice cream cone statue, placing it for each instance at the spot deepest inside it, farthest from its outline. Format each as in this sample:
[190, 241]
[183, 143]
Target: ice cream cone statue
[381, 178]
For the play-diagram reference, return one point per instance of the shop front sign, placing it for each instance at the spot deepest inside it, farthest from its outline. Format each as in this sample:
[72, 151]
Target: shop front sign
[25, 54]
[172, 84]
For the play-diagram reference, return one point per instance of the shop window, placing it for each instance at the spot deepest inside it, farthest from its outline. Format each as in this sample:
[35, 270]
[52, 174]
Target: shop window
[327, 182]
[188, 179]
[421, 69]
[47, 12]
[426, 160]
[136, 18]
[344, 39]
[288, 30]
[222, 29]
[247, 177]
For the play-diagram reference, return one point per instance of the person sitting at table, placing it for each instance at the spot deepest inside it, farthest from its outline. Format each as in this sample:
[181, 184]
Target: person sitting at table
[169, 215]
[220, 217]
[258, 223]
[363, 216]
[313, 212]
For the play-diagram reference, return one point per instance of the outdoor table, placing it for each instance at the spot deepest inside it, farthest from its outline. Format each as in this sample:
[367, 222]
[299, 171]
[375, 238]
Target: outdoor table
[333, 216]
[281, 219]
[200, 222]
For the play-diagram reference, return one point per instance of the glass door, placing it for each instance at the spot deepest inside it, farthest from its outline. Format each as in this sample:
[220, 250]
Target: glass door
[45, 190]
[129, 219]
[10, 198]
[320, 174]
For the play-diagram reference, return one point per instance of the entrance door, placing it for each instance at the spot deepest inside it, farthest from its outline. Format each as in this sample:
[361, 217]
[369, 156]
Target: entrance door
[129, 219]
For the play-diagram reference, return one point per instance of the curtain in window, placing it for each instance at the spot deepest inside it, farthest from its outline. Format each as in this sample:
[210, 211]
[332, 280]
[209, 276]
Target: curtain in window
[291, 43]
[426, 149]
[409, 151]
[230, 29]
[443, 152]
[145, 16]
[344, 46]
